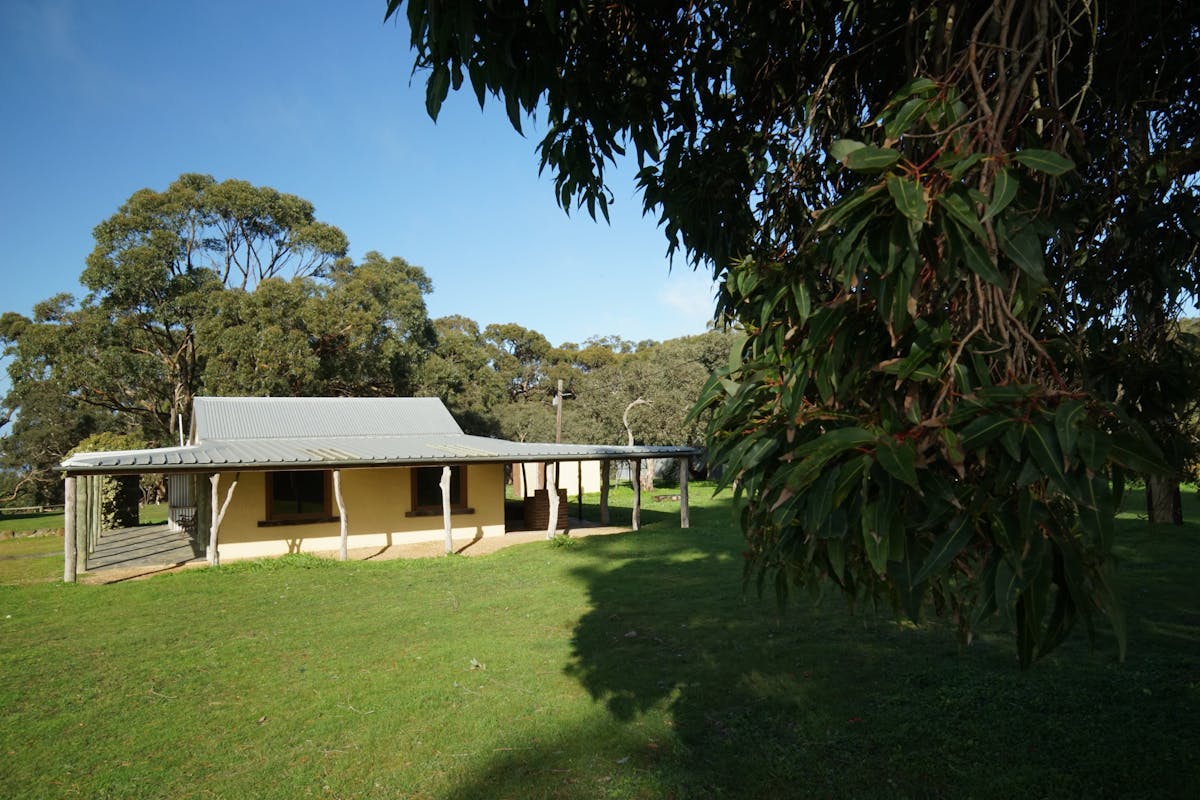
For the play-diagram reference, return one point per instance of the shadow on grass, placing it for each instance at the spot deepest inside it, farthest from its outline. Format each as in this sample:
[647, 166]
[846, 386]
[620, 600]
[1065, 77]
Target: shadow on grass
[714, 694]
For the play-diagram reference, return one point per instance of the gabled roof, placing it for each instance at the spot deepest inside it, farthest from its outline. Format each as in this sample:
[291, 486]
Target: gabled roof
[259, 433]
[229, 418]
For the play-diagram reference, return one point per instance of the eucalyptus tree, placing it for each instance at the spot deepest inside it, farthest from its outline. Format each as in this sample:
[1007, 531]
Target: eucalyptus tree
[907, 206]
[459, 370]
[159, 259]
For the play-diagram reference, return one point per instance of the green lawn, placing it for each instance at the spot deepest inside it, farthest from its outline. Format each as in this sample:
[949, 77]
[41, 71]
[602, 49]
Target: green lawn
[627, 666]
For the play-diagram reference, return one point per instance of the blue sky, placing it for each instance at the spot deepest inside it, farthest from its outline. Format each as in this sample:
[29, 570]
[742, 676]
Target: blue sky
[315, 99]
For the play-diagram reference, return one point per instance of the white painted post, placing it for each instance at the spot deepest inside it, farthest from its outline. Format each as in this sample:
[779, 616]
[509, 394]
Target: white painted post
[684, 514]
[345, 529]
[552, 497]
[69, 531]
[444, 483]
[637, 494]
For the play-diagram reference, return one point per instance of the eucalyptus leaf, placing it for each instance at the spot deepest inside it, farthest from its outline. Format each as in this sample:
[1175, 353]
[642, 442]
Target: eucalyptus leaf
[909, 197]
[1046, 161]
[871, 158]
[1004, 190]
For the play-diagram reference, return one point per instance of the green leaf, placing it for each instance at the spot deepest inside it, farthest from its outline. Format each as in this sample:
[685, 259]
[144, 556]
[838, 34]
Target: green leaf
[898, 459]
[842, 148]
[899, 125]
[974, 254]
[436, 90]
[1097, 510]
[909, 197]
[962, 166]
[983, 430]
[875, 540]
[957, 536]
[1025, 249]
[1111, 603]
[835, 551]
[1137, 454]
[1066, 423]
[960, 210]
[1003, 192]
[1046, 161]
[910, 589]
[871, 159]
[1043, 445]
[803, 301]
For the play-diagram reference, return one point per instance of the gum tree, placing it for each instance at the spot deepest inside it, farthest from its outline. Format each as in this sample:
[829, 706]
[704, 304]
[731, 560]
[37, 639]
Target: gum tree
[910, 207]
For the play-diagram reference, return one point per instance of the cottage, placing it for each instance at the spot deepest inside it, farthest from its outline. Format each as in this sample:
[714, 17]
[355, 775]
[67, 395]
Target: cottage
[271, 475]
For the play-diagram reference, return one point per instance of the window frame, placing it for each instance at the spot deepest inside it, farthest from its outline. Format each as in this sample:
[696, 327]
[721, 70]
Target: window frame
[299, 518]
[458, 505]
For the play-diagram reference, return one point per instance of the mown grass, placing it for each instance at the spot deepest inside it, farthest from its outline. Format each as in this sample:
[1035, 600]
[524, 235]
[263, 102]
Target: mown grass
[629, 666]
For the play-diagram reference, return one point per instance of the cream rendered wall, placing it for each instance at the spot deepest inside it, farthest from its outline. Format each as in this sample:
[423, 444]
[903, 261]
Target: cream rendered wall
[568, 477]
[377, 501]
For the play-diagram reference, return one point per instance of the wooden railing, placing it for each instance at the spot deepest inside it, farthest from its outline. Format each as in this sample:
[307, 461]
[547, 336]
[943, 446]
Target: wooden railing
[31, 509]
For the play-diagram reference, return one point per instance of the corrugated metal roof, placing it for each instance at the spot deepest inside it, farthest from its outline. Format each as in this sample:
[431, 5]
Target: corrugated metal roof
[338, 434]
[229, 418]
[362, 451]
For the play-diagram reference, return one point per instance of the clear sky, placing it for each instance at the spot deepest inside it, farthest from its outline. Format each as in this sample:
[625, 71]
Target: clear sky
[314, 98]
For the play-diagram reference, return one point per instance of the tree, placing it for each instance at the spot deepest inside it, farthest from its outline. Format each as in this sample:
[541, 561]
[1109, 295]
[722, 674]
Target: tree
[459, 371]
[51, 418]
[519, 355]
[362, 330]
[157, 263]
[889, 196]
[190, 292]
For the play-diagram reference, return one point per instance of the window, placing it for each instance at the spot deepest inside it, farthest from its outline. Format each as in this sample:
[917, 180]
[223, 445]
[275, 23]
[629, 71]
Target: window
[427, 491]
[301, 496]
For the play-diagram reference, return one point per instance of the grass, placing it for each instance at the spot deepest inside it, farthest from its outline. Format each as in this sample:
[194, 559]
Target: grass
[629, 666]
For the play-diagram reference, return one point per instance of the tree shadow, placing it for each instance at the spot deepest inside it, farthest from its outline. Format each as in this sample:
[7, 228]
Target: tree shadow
[822, 703]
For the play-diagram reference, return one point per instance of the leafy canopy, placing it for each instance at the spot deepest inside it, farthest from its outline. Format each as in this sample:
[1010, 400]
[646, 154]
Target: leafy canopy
[912, 212]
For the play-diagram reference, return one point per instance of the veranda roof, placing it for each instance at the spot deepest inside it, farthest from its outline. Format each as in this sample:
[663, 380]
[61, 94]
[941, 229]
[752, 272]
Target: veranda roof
[265, 433]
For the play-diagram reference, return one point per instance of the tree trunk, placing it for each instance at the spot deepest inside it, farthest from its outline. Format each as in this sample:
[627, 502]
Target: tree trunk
[444, 485]
[647, 477]
[1164, 503]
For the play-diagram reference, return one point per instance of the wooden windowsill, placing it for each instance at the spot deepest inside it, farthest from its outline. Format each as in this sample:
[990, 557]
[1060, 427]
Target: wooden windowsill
[454, 512]
[272, 523]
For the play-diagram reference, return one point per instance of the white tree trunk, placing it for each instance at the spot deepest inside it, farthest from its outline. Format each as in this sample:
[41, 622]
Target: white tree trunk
[343, 553]
[444, 483]
[637, 494]
[218, 514]
[604, 492]
[552, 497]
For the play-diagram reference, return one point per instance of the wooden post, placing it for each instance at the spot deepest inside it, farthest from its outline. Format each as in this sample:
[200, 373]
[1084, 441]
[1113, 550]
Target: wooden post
[83, 531]
[444, 483]
[524, 482]
[604, 465]
[684, 514]
[69, 531]
[579, 474]
[552, 496]
[637, 494]
[218, 513]
[213, 557]
[345, 530]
